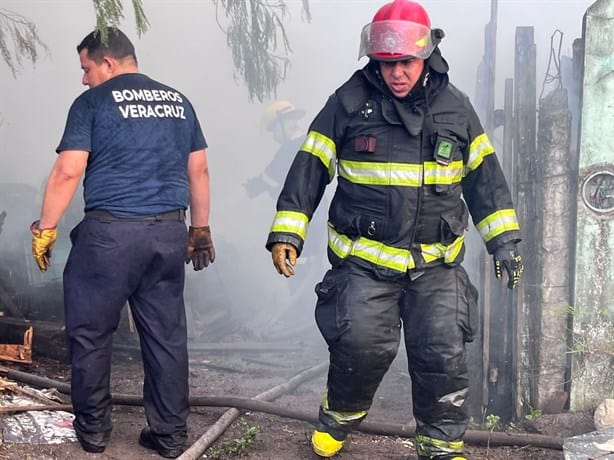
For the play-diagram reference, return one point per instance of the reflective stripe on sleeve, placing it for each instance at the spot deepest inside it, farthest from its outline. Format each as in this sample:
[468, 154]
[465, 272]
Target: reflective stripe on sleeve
[322, 147]
[478, 150]
[291, 222]
[497, 223]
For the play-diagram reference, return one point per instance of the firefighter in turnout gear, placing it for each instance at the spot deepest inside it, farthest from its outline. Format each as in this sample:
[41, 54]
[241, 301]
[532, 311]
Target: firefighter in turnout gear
[413, 163]
[281, 119]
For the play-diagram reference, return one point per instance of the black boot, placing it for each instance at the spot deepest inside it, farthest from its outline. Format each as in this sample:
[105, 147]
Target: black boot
[149, 440]
[93, 442]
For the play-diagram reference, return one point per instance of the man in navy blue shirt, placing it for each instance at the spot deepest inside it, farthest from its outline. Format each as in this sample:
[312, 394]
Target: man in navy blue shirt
[139, 146]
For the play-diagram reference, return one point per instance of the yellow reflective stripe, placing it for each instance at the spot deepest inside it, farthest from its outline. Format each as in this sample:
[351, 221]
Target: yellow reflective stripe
[479, 148]
[433, 251]
[290, 222]
[400, 174]
[427, 446]
[497, 223]
[342, 417]
[322, 147]
[436, 174]
[372, 251]
[388, 256]
[403, 174]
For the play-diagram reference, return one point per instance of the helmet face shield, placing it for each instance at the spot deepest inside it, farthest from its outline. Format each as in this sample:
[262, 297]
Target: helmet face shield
[395, 40]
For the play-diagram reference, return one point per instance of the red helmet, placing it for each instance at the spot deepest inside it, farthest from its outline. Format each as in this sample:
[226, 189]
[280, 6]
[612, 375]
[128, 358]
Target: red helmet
[400, 29]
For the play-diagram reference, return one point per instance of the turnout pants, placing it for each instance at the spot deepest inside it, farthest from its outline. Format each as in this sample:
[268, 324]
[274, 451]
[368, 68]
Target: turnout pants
[142, 262]
[361, 318]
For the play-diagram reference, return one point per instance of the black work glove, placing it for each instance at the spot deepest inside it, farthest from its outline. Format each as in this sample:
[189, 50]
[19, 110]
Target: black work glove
[507, 257]
[200, 247]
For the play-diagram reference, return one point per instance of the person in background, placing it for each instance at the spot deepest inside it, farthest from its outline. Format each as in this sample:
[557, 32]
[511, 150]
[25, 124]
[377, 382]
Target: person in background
[281, 119]
[413, 162]
[141, 150]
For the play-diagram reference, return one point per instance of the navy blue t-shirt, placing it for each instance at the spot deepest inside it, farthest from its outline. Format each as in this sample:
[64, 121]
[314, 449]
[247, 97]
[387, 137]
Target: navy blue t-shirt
[139, 133]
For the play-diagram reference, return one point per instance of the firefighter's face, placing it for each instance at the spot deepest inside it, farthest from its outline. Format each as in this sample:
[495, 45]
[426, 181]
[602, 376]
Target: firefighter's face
[401, 76]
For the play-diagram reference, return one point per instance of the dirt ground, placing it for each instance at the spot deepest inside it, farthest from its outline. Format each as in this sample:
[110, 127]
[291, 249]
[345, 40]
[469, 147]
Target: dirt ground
[248, 369]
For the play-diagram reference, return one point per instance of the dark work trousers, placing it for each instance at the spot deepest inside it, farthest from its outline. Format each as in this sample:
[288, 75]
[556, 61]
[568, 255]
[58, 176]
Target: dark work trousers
[112, 262]
[360, 316]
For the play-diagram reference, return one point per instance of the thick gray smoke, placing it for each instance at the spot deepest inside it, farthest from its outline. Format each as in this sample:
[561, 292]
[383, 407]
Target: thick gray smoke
[186, 49]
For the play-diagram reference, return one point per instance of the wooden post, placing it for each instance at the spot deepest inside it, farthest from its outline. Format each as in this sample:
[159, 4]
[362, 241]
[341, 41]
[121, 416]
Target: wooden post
[525, 179]
[555, 194]
[507, 153]
[477, 257]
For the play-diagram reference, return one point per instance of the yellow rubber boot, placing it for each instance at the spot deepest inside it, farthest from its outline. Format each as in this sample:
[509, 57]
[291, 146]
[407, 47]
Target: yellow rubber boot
[324, 444]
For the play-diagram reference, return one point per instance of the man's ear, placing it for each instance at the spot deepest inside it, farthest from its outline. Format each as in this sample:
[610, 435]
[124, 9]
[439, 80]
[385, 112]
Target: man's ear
[110, 64]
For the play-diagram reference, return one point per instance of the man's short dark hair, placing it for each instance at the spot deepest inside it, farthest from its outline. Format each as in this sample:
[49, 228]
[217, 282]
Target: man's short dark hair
[117, 45]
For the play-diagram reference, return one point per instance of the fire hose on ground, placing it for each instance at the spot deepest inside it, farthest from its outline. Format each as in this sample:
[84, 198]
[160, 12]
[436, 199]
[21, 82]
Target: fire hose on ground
[476, 437]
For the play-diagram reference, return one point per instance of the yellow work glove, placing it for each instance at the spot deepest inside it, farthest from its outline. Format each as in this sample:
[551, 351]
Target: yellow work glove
[200, 247]
[42, 244]
[284, 258]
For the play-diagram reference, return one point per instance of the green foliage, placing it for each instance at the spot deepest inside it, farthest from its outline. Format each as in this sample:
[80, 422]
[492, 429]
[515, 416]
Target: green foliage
[493, 422]
[535, 413]
[111, 13]
[255, 35]
[19, 40]
[259, 44]
[238, 446]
